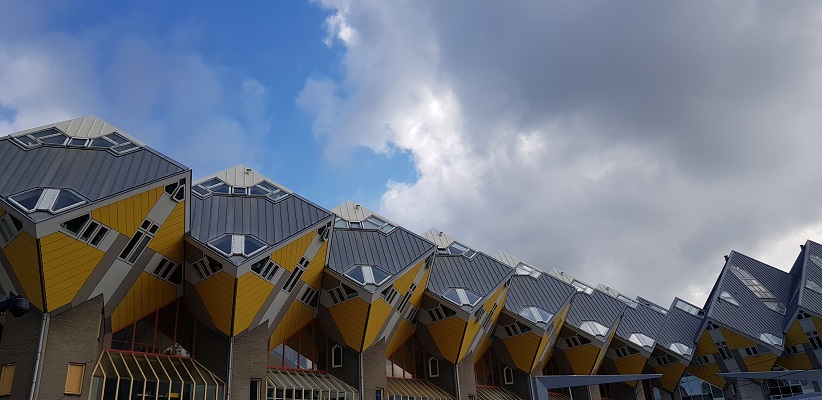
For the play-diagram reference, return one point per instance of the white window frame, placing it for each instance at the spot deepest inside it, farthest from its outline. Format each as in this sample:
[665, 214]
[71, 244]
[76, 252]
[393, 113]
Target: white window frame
[335, 362]
[508, 375]
[433, 367]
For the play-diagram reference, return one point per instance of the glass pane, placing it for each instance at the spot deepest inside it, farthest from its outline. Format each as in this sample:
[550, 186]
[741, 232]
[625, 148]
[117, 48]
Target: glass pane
[75, 224]
[199, 190]
[56, 139]
[116, 138]
[452, 295]
[166, 322]
[223, 244]
[379, 275]
[268, 186]
[252, 245]
[100, 142]
[144, 334]
[139, 249]
[472, 297]
[29, 199]
[176, 276]
[238, 190]
[221, 188]
[257, 190]
[77, 142]
[65, 199]
[99, 236]
[125, 147]
[89, 231]
[340, 223]
[369, 224]
[185, 331]
[357, 275]
[27, 140]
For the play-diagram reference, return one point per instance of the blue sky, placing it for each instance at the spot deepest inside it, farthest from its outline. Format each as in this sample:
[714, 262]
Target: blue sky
[632, 144]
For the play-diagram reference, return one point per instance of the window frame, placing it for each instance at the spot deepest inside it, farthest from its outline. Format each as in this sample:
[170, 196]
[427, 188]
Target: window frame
[78, 385]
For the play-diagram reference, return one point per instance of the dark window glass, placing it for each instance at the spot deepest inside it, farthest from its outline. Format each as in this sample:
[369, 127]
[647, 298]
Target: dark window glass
[181, 193]
[125, 147]
[29, 199]
[170, 188]
[138, 250]
[89, 231]
[238, 190]
[258, 191]
[131, 244]
[252, 245]
[199, 190]
[357, 275]
[453, 296]
[65, 199]
[221, 188]
[29, 142]
[379, 275]
[213, 264]
[159, 269]
[75, 224]
[99, 236]
[176, 276]
[212, 182]
[223, 244]
[16, 222]
[77, 142]
[100, 142]
[116, 138]
[56, 139]
[447, 311]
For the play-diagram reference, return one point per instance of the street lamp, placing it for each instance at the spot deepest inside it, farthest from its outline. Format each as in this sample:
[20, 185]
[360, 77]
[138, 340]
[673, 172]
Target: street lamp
[18, 305]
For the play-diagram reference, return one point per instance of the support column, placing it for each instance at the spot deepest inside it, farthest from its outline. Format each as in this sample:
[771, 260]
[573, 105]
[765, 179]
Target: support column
[373, 369]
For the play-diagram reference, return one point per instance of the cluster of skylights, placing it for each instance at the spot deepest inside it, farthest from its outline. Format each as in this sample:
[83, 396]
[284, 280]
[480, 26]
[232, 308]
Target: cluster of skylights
[117, 143]
[218, 186]
[535, 314]
[594, 328]
[462, 296]
[759, 290]
[237, 245]
[641, 340]
[372, 222]
[523, 269]
[627, 300]
[681, 349]
[49, 200]
[457, 249]
[368, 275]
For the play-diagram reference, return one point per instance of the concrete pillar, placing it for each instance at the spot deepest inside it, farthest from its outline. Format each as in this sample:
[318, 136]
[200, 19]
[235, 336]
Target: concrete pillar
[593, 392]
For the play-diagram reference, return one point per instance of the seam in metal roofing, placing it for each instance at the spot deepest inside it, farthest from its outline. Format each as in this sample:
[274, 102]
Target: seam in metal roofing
[597, 306]
[679, 327]
[480, 273]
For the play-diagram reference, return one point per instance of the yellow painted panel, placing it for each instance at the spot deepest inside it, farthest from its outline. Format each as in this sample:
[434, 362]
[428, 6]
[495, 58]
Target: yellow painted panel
[474, 327]
[604, 350]
[582, 358]
[795, 334]
[289, 255]
[313, 275]
[297, 316]
[377, 317]
[817, 322]
[523, 349]
[762, 362]
[22, 255]
[736, 340]
[217, 293]
[350, 317]
[146, 295]
[448, 334]
[559, 320]
[403, 332]
[252, 291]
[126, 215]
[169, 239]
[708, 373]
[403, 283]
[538, 363]
[671, 375]
[67, 263]
[631, 364]
[798, 361]
[416, 297]
[482, 347]
[705, 345]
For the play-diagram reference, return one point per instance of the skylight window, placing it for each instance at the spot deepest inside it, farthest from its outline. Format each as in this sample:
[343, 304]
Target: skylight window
[594, 328]
[217, 185]
[462, 296]
[816, 260]
[641, 340]
[690, 309]
[775, 306]
[759, 290]
[523, 269]
[812, 285]
[116, 143]
[535, 314]
[459, 249]
[581, 287]
[368, 275]
[49, 200]
[772, 339]
[242, 245]
[373, 222]
[681, 349]
[729, 298]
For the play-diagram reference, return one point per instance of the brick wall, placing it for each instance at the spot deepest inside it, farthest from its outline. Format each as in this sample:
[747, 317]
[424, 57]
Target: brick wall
[373, 367]
[19, 346]
[249, 362]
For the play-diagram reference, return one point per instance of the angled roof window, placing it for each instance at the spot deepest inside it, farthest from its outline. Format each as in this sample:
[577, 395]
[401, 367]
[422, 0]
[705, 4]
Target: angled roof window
[459, 249]
[581, 287]
[816, 260]
[775, 306]
[523, 269]
[462, 296]
[368, 275]
[641, 340]
[729, 298]
[772, 339]
[217, 185]
[374, 222]
[812, 285]
[49, 200]
[241, 245]
[689, 308]
[594, 328]
[118, 144]
[681, 349]
[535, 314]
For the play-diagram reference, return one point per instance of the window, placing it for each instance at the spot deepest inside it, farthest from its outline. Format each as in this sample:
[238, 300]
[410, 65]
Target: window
[581, 287]
[342, 293]
[681, 349]
[771, 339]
[487, 322]
[523, 269]
[242, 245]
[373, 222]
[296, 274]
[6, 378]
[336, 356]
[629, 301]
[814, 339]
[10, 227]
[626, 351]
[310, 296]
[751, 351]
[169, 330]
[139, 241]
[74, 378]
[50, 200]
[812, 285]
[508, 375]
[412, 315]
[774, 306]
[535, 314]
[724, 351]
[265, 268]
[516, 329]
[462, 296]
[177, 190]
[479, 314]
[594, 328]
[702, 360]
[802, 315]
[85, 229]
[433, 367]
[218, 186]
[791, 350]
[368, 275]
[254, 390]
[389, 294]
[404, 302]
[729, 298]
[641, 340]
[816, 260]
[663, 360]
[576, 340]
[169, 271]
[440, 312]
[206, 267]
[690, 309]
[459, 249]
[711, 326]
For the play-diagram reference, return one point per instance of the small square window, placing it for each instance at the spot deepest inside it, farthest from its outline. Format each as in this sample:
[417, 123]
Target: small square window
[74, 378]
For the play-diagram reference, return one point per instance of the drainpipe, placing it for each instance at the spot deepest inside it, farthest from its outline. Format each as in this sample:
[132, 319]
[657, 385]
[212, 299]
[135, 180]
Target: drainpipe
[230, 362]
[362, 376]
[457, 380]
[38, 363]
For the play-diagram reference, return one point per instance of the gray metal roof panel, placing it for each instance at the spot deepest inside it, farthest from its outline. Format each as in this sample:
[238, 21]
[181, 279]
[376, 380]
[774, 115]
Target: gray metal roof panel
[95, 174]
[546, 292]
[271, 222]
[597, 306]
[809, 299]
[640, 319]
[393, 252]
[480, 273]
[679, 327]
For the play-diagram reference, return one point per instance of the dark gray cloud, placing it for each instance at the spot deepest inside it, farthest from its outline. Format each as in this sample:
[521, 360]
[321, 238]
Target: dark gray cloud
[632, 144]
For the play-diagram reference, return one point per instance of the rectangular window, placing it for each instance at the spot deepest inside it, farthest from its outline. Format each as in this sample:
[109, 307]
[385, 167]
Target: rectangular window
[404, 302]
[390, 294]
[310, 296]
[663, 360]
[6, 378]
[412, 315]
[814, 339]
[751, 351]
[254, 390]
[702, 360]
[139, 242]
[9, 228]
[74, 378]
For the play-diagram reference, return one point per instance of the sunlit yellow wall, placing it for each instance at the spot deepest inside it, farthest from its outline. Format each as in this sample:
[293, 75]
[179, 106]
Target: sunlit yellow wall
[474, 327]
[22, 255]
[706, 372]
[169, 240]
[405, 329]
[126, 215]
[523, 348]
[582, 358]
[67, 263]
[380, 311]
[350, 317]
[288, 256]
[146, 295]
[252, 291]
[297, 316]
[217, 293]
[448, 334]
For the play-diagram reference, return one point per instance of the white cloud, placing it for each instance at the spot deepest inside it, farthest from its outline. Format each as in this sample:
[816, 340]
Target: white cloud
[632, 144]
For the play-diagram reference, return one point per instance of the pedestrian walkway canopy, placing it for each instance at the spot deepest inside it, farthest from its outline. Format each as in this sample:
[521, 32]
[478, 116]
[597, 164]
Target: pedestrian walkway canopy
[416, 389]
[287, 384]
